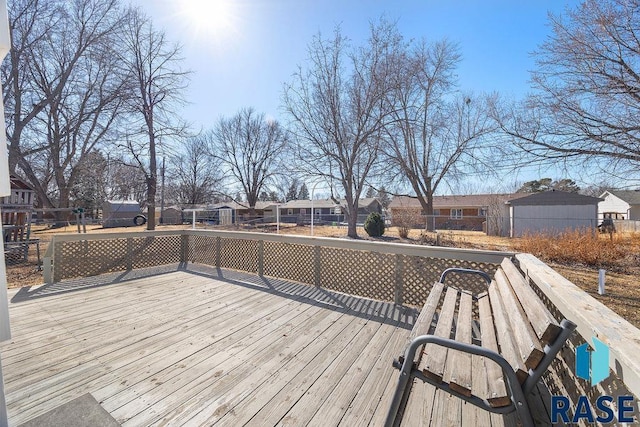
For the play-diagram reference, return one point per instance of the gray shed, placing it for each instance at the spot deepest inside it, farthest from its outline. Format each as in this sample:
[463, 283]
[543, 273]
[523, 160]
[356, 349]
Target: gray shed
[170, 216]
[552, 212]
[119, 213]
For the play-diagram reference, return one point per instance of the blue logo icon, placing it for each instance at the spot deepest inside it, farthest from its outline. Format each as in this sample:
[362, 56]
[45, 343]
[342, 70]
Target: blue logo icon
[592, 364]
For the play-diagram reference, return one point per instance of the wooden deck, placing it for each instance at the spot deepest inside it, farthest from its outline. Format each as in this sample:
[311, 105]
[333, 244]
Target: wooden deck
[201, 346]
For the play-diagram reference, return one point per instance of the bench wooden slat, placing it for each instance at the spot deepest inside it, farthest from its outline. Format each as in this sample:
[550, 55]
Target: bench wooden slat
[458, 372]
[505, 334]
[527, 342]
[497, 390]
[425, 318]
[542, 321]
[434, 363]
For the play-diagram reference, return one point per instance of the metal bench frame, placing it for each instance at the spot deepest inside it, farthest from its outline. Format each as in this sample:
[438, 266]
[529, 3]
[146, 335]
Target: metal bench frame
[516, 391]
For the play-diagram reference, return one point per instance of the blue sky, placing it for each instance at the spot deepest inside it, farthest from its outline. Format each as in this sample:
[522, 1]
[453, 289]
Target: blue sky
[242, 51]
[242, 58]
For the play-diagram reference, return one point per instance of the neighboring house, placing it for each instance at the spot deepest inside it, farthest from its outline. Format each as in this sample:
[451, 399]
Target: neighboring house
[620, 204]
[226, 213]
[552, 212]
[261, 210]
[479, 212]
[326, 210]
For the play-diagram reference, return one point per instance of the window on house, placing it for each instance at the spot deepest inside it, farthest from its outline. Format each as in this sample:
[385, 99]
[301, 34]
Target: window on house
[482, 211]
[436, 212]
[336, 210]
[318, 212]
[456, 213]
[303, 211]
[289, 211]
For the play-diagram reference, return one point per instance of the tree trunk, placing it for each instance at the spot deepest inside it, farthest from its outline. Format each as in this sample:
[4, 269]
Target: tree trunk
[428, 210]
[152, 178]
[352, 228]
[151, 202]
[352, 217]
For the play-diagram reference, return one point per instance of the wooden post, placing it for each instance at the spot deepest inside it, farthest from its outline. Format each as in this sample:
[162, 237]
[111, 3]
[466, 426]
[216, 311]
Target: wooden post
[218, 249]
[601, 279]
[129, 253]
[399, 285]
[47, 274]
[184, 248]
[316, 265]
[260, 258]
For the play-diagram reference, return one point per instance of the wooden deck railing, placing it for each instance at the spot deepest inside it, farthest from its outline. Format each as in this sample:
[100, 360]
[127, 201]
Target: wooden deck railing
[384, 271]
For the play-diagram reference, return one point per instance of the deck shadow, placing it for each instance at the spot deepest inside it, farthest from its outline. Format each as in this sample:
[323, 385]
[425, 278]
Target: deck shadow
[379, 311]
[29, 293]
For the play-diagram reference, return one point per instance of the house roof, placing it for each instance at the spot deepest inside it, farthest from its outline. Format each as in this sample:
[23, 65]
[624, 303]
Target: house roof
[325, 203]
[235, 205]
[19, 184]
[630, 196]
[554, 198]
[456, 201]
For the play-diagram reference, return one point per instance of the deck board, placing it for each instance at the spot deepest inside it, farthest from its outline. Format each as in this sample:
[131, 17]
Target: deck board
[203, 346]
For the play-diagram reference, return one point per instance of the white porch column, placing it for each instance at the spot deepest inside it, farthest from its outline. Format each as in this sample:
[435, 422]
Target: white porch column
[5, 190]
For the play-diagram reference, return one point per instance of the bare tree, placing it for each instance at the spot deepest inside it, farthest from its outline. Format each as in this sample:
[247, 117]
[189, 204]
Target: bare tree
[30, 21]
[250, 148]
[336, 111]
[126, 181]
[154, 65]
[196, 176]
[586, 99]
[64, 93]
[434, 132]
[90, 188]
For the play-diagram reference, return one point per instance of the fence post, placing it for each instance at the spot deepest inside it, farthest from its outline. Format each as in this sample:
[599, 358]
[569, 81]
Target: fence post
[601, 280]
[398, 297]
[46, 270]
[129, 253]
[218, 249]
[260, 258]
[184, 248]
[316, 265]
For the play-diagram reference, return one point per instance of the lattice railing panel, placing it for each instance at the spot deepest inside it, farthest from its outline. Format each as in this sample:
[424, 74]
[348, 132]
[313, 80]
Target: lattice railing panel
[289, 261]
[155, 250]
[202, 249]
[364, 273]
[239, 254]
[420, 273]
[89, 258]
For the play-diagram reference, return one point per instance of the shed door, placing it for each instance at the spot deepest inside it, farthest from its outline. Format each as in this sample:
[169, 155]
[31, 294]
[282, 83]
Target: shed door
[225, 217]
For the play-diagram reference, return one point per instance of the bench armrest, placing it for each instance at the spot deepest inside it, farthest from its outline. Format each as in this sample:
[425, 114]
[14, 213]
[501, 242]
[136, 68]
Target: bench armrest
[516, 391]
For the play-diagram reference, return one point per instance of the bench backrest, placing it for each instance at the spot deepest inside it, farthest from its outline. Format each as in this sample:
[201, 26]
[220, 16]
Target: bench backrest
[509, 318]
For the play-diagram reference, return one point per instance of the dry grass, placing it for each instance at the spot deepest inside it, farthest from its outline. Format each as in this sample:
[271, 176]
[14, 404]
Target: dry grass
[576, 256]
[622, 290]
[579, 255]
[579, 247]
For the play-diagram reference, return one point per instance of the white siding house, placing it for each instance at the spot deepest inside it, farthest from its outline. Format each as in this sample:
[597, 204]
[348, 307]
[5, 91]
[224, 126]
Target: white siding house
[619, 204]
[552, 212]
